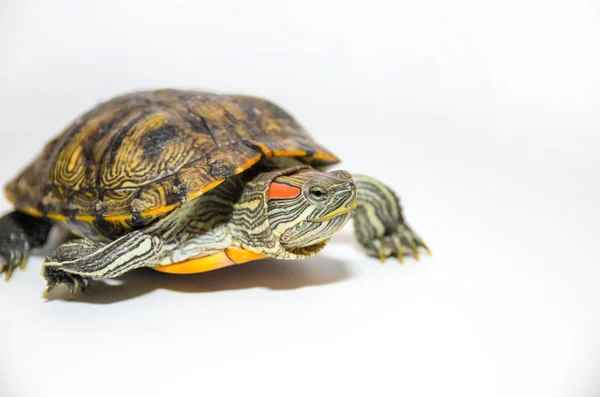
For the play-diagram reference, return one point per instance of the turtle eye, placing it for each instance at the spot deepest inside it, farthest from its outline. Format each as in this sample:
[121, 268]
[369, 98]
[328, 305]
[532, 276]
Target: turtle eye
[317, 193]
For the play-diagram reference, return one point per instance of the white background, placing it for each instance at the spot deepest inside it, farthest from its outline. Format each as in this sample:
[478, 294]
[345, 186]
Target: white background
[483, 115]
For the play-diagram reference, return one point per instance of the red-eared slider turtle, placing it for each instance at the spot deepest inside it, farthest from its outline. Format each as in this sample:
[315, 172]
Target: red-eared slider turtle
[186, 182]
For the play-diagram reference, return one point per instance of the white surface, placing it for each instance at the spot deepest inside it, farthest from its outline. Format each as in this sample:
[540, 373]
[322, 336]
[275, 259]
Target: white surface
[484, 117]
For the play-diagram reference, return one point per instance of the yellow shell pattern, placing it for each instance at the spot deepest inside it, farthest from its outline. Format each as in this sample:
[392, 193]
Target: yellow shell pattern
[138, 156]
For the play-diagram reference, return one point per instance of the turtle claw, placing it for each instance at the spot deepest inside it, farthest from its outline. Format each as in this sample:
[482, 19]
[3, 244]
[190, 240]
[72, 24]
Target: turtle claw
[8, 269]
[14, 250]
[398, 247]
[4, 269]
[427, 250]
[380, 251]
[415, 251]
[398, 244]
[73, 282]
[8, 273]
[412, 241]
[73, 289]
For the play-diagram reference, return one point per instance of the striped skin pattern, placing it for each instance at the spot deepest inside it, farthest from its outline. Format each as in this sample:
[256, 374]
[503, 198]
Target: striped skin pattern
[196, 228]
[75, 262]
[306, 212]
[237, 214]
[136, 157]
[160, 177]
[378, 222]
[240, 214]
[292, 228]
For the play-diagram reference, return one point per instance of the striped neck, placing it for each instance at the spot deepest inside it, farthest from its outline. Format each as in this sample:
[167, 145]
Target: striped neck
[291, 213]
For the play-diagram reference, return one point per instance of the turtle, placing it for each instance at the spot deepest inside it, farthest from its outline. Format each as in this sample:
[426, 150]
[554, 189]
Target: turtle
[188, 181]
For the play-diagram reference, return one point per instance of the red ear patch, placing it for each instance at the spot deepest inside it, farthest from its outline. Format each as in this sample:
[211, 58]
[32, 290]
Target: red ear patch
[283, 191]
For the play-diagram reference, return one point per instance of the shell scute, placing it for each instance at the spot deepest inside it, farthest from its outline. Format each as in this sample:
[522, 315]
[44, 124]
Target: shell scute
[135, 157]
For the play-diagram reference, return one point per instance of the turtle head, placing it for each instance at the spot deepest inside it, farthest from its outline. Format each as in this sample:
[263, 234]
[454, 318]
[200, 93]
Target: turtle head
[308, 207]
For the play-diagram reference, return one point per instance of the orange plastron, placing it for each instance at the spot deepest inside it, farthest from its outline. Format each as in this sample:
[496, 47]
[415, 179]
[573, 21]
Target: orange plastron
[228, 257]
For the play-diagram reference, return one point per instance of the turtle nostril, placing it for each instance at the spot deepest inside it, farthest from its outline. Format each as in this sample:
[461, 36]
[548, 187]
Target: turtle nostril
[346, 187]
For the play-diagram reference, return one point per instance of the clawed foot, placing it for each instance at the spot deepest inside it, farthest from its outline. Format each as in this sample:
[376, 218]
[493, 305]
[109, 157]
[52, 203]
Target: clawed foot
[74, 282]
[14, 252]
[379, 225]
[399, 244]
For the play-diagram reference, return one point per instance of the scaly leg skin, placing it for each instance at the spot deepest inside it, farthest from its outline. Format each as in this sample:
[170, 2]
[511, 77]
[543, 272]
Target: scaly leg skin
[75, 263]
[19, 234]
[378, 222]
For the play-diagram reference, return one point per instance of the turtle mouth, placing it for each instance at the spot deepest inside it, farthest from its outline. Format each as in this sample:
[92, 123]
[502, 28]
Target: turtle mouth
[334, 214]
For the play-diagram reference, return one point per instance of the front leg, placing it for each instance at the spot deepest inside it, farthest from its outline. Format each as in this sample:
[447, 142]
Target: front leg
[378, 222]
[75, 263]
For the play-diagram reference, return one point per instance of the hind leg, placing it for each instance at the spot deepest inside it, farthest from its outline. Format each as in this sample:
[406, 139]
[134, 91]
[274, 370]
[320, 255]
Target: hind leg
[19, 234]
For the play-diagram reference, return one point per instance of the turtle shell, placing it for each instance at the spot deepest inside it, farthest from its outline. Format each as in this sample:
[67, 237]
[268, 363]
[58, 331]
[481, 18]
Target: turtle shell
[138, 156]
